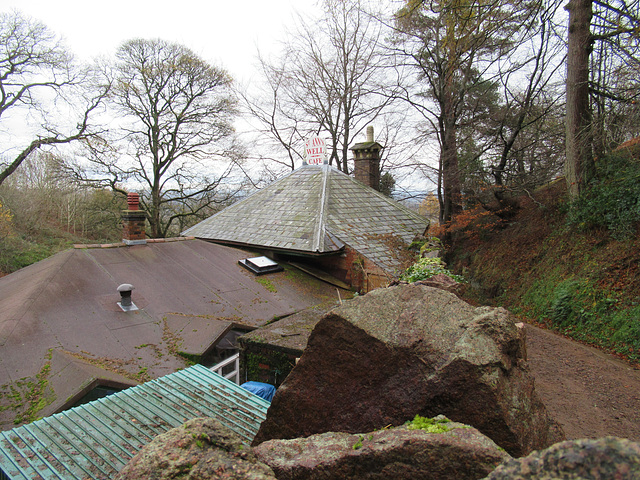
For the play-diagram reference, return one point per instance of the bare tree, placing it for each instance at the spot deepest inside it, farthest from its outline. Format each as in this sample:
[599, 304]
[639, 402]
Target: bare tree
[176, 121]
[330, 79]
[456, 47]
[35, 71]
[530, 107]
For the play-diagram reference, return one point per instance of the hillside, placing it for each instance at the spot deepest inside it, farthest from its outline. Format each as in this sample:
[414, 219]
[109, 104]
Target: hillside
[579, 281]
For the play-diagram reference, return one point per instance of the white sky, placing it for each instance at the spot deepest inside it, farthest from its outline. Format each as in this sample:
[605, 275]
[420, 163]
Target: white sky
[225, 33]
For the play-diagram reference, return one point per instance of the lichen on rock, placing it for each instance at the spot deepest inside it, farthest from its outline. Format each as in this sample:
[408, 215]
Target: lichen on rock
[401, 453]
[200, 449]
[586, 459]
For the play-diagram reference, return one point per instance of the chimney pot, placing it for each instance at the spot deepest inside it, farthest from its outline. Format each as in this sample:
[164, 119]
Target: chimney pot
[370, 134]
[133, 201]
[133, 228]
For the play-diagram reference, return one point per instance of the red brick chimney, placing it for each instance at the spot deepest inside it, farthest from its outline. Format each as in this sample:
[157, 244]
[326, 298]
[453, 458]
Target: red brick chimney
[133, 222]
[367, 161]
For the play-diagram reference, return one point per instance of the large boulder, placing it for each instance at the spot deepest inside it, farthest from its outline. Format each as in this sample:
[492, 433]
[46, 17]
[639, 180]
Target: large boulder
[382, 358]
[599, 459]
[456, 451]
[200, 449]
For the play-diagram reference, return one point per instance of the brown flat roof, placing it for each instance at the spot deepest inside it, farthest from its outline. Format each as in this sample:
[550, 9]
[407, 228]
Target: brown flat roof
[189, 294]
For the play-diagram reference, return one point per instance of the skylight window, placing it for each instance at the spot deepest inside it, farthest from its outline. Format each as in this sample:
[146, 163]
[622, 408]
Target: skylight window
[260, 265]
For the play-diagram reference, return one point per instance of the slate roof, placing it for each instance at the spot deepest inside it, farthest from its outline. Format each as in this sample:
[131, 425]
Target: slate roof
[59, 318]
[316, 210]
[96, 440]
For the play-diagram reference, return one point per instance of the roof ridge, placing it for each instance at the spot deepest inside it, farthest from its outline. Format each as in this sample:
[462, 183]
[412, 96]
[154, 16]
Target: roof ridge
[321, 227]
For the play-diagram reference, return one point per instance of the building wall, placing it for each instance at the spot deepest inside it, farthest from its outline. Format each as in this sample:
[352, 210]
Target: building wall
[356, 270]
[262, 363]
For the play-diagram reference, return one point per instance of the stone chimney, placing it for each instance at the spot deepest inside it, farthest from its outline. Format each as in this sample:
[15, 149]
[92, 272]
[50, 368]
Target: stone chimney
[133, 222]
[366, 157]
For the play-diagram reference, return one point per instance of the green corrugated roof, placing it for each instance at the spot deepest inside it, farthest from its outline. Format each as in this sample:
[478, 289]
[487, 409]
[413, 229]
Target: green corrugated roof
[97, 439]
[316, 209]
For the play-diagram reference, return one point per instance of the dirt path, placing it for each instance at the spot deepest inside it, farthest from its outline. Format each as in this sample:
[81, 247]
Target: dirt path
[591, 394]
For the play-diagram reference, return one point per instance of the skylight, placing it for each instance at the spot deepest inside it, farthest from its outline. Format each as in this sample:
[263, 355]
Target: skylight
[260, 265]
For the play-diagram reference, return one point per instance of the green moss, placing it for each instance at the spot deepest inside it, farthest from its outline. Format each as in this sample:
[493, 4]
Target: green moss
[142, 374]
[358, 444]
[39, 394]
[266, 283]
[190, 358]
[432, 425]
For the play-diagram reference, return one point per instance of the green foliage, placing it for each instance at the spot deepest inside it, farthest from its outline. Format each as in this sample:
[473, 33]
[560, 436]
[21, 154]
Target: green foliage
[562, 305]
[581, 283]
[279, 366]
[612, 200]
[579, 308]
[432, 425]
[17, 252]
[426, 268]
[42, 214]
[387, 184]
[358, 444]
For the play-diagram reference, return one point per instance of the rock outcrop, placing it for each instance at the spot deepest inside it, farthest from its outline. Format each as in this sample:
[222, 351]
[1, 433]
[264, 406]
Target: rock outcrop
[200, 449]
[600, 459]
[442, 281]
[382, 358]
[458, 451]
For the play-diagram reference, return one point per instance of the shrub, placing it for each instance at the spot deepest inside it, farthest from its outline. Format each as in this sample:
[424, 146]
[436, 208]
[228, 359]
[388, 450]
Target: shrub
[426, 268]
[564, 303]
[612, 200]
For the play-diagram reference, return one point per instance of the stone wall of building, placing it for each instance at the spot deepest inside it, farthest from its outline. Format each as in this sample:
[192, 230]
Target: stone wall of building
[356, 270]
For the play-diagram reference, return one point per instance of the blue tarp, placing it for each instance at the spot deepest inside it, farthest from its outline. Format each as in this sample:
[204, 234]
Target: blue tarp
[263, 390]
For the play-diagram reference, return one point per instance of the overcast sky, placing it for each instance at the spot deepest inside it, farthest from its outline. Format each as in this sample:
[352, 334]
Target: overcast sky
[225, 33]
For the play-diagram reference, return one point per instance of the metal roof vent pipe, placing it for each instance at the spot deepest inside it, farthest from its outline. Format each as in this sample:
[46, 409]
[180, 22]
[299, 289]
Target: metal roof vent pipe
[125, 302]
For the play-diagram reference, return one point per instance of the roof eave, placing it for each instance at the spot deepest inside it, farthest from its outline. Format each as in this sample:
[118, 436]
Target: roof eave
[288, 251]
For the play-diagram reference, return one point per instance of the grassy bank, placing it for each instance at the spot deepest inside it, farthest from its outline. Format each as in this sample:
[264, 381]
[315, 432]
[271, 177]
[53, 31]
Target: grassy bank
[579, 277]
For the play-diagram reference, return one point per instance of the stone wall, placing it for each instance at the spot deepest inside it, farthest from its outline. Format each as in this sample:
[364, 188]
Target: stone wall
[359, 272]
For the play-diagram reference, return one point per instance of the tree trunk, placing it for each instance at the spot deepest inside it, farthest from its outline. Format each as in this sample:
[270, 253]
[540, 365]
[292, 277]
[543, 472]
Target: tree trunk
[452, 201]
[451, 176]
[579, 162]
[154, 217]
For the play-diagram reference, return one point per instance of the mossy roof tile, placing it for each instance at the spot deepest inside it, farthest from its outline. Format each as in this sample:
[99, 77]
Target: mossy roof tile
[315, 209]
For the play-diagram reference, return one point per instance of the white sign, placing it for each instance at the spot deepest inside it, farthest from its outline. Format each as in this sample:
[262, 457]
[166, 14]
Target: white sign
[315, 151]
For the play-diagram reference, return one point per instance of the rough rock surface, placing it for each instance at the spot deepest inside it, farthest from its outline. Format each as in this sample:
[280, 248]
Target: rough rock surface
[398, 453]
[599, 459]
[442, 281]
[380, 359]
[200, 449]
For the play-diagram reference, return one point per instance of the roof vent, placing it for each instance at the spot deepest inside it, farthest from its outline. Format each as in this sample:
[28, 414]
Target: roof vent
[260, 265]
[125, 302]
